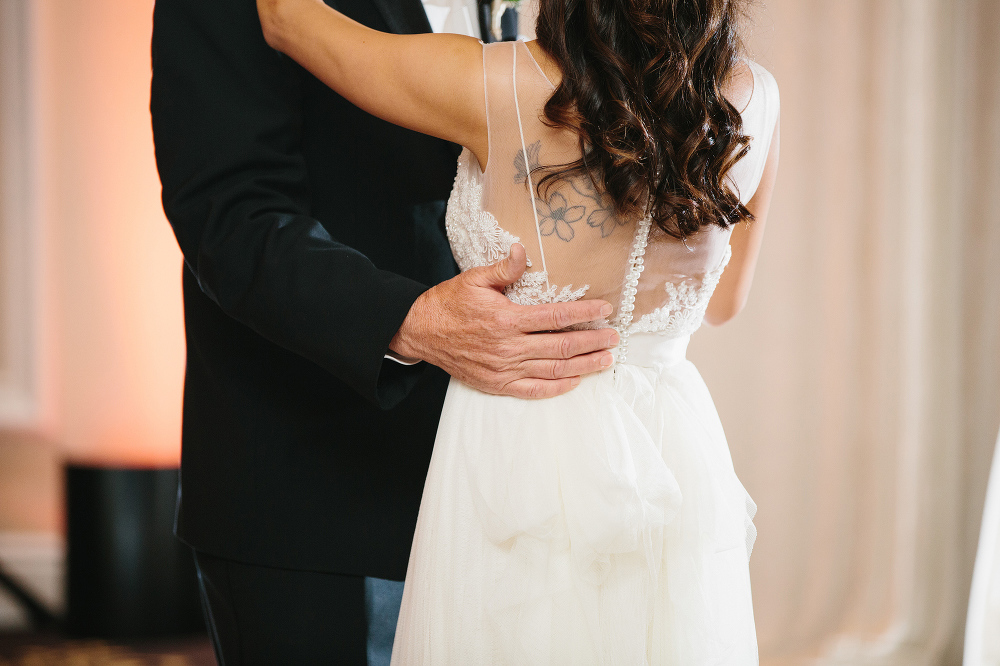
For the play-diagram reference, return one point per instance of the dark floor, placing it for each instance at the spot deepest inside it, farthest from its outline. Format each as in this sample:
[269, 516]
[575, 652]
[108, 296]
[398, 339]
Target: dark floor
[36, 649]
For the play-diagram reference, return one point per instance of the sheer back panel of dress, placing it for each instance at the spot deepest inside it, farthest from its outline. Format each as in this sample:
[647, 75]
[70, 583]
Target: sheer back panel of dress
[576, 245]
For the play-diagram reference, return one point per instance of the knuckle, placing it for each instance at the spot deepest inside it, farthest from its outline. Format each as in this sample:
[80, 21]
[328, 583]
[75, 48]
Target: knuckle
[504, 319]
[496, 354]
[511, 370]
[544, 318]
[565, 346]
[505, 353]
[553, 319]
[557, 369]
[469, 278]
[560, 318]
[498, 386]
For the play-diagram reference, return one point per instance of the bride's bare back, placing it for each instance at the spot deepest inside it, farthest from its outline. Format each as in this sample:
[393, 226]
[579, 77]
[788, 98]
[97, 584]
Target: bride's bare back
[576, 244]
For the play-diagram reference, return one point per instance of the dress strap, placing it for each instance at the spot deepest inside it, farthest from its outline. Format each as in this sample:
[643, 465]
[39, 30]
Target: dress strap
[527, 170]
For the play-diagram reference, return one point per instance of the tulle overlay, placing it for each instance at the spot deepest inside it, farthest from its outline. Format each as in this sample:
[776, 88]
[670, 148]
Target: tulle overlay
[605, 526]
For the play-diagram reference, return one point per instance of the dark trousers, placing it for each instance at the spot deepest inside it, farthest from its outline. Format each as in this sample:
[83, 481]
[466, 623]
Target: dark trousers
[259, 616]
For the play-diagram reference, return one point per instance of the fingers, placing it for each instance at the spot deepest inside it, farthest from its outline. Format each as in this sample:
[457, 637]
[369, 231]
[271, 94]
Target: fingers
[550, 368]
[546, 378]
[557, 316]
[565, 345]
[548, 364]
[517, 260]
[553, 369]
[537, 389]
[503, 273]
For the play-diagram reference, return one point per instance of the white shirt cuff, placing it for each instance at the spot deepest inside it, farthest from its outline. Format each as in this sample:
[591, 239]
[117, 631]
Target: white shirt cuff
[402, 360]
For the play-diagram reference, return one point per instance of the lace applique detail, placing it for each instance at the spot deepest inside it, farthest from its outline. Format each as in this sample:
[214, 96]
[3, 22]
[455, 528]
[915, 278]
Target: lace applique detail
[477, 239]
[531, 290]
[685, 307]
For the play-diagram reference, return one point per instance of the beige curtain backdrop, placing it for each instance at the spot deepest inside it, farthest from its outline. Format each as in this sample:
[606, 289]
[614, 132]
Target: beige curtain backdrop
[861, 388]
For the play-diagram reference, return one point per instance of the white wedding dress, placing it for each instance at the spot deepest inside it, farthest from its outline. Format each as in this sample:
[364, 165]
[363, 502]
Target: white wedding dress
[604, 526]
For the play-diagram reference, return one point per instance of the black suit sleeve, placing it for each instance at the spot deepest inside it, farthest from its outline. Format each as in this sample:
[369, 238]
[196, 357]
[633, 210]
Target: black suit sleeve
[227, 118]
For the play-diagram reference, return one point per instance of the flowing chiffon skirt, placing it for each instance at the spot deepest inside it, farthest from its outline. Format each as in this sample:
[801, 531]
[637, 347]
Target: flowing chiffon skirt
[605, 526]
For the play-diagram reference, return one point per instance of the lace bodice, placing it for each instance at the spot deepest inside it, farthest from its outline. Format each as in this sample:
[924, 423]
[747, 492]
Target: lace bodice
[575, 244]
[477, 239]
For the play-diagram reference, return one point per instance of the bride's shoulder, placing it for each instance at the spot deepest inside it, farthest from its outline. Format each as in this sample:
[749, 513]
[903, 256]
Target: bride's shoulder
[750, 82]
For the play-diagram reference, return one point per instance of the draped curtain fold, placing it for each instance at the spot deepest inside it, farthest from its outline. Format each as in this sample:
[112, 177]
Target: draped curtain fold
[861, 388]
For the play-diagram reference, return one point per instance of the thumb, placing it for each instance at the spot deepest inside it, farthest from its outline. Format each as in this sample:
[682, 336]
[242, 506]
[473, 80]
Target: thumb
[505, 272]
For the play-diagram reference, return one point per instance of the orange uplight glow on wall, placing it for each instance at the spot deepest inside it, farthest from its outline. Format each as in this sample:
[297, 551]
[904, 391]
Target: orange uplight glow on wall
[113, 299]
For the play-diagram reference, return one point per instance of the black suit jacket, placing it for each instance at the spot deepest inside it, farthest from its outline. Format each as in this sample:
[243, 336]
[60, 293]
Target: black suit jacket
[308, 229]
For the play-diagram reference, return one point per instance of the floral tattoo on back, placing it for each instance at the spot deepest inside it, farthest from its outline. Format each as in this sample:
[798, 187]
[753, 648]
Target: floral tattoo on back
[555, 214]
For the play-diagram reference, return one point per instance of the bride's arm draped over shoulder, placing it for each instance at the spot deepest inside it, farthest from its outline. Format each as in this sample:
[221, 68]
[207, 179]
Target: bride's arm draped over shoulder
[430, 83]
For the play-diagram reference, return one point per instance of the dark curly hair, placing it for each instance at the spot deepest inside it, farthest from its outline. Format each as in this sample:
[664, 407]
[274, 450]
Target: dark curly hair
[642, 87]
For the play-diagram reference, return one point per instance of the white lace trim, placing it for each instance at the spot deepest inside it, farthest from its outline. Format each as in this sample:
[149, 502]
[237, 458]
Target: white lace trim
[687, 301]
[531, 290]
[477, 239]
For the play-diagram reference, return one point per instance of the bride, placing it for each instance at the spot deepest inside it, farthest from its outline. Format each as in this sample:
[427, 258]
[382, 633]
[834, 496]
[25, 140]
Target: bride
[631, 150]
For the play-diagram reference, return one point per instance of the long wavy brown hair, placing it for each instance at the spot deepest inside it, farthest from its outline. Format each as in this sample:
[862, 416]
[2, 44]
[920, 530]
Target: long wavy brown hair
[642, 87]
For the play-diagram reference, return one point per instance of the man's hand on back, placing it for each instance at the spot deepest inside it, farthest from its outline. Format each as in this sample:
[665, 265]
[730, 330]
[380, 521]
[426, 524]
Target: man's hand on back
[470, 329]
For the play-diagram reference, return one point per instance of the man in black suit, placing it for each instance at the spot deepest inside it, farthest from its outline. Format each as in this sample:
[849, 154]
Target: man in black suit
[311, 232]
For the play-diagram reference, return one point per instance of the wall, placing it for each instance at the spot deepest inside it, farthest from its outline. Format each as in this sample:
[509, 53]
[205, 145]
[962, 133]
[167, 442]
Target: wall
[116, 310]
[111, 329]
[112, 313]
